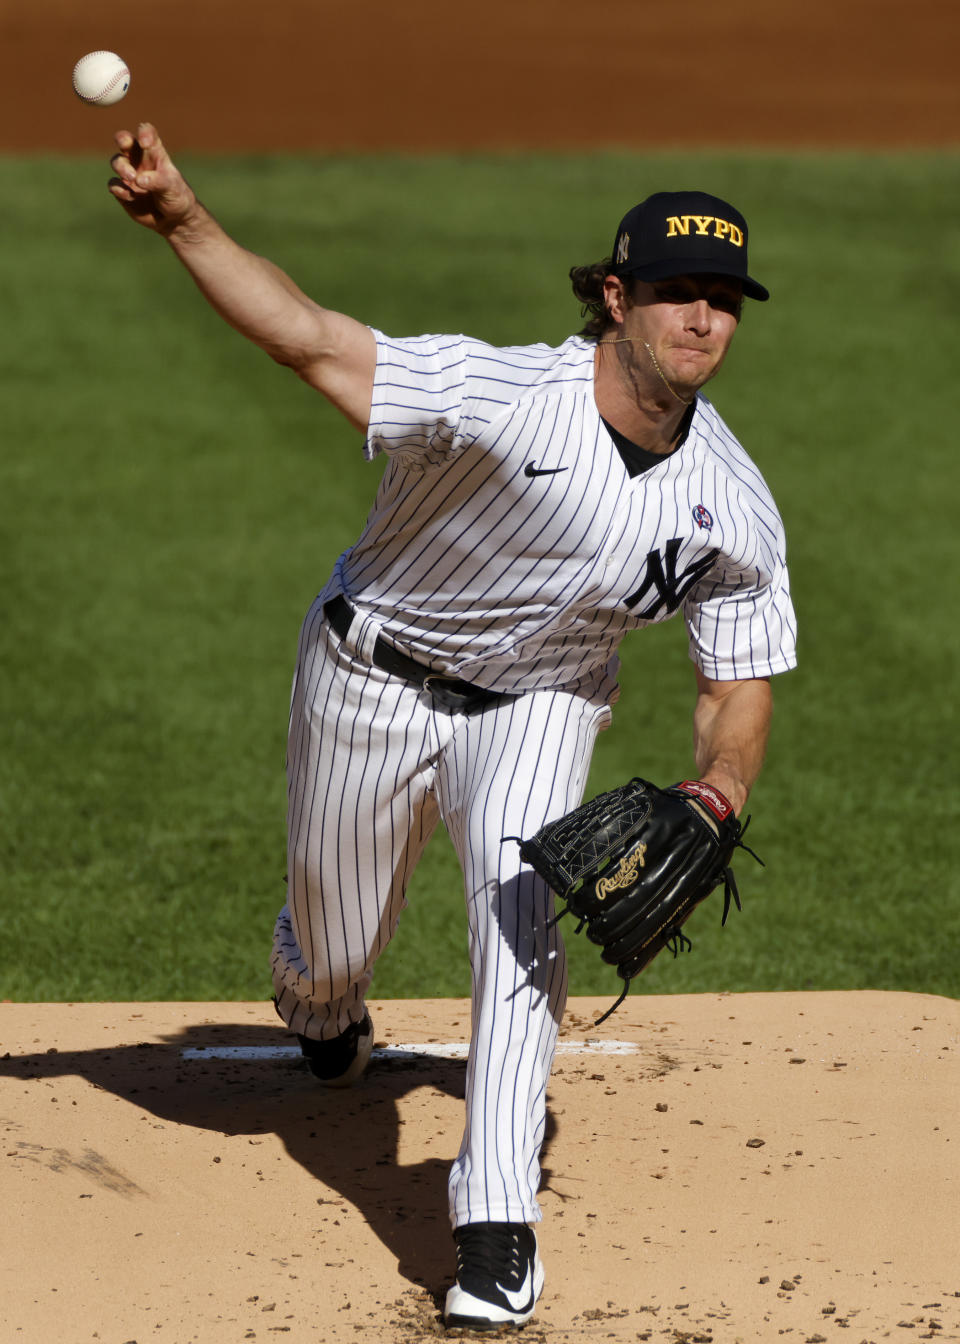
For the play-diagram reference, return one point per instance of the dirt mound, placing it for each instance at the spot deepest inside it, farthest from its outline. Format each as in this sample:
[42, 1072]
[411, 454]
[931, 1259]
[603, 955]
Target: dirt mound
[718, 1168]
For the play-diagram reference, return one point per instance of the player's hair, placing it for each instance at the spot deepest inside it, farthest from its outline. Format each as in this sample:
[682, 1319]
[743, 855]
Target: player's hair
[587, 284]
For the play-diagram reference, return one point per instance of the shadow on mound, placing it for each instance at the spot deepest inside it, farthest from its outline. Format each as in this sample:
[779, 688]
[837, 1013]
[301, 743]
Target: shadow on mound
[347, 1140]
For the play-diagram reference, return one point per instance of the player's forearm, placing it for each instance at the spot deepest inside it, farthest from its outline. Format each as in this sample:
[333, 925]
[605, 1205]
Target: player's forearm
[333, 353]
[730, 732]
[249, 292]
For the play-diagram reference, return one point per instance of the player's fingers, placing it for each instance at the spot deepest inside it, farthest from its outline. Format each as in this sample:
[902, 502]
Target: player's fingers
[121, 165]
[126, 161]
[127, 178]
[120, 190]
[155, 170]
[148, 183]
[152, 151]
[125, 190]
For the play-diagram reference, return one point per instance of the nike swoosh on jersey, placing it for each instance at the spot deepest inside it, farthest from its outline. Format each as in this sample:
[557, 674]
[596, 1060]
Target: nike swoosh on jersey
[531, 471]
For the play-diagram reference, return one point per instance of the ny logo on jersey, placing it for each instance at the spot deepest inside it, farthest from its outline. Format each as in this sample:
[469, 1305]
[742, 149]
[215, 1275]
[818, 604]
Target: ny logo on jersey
[661, 576]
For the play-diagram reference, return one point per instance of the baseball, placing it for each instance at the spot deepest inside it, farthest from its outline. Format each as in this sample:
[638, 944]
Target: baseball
[101, 77]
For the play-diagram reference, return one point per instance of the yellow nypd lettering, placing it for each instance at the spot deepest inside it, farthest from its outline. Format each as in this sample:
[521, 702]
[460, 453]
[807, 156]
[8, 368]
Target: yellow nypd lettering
[678, 226]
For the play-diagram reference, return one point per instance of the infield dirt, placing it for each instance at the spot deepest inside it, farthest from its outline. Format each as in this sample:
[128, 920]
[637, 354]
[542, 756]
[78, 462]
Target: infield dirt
[752, 1167]
[302, 74]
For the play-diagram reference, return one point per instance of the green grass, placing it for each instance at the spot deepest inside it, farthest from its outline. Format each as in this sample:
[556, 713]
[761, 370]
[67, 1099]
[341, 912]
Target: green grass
[170, 502]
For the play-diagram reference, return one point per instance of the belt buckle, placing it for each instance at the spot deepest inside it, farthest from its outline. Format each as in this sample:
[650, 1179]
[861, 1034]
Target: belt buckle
[454, 701]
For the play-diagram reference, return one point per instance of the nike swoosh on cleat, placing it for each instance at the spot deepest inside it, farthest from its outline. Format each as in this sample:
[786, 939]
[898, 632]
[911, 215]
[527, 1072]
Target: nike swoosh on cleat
[531, 471]
[523, 1298]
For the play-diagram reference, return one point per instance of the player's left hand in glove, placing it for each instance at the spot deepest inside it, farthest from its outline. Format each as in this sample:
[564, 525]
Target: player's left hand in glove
[634, 863]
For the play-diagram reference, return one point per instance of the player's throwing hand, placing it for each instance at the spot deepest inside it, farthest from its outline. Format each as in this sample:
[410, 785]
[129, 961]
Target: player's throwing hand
[147, 184]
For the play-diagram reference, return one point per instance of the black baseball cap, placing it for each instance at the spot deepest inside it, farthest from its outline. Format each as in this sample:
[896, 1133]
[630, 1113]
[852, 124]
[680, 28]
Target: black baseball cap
[684, 233]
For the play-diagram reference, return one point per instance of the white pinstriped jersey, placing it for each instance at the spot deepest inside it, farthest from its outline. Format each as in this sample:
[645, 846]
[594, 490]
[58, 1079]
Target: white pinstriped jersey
[509, 546]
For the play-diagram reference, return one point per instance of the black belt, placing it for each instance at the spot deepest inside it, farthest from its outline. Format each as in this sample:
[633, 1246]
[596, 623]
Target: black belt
[450, 693]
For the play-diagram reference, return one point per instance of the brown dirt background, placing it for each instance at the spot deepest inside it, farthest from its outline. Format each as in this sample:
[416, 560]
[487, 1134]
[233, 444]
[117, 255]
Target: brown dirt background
[148, 1197]
[312, 74]
[760, 1167]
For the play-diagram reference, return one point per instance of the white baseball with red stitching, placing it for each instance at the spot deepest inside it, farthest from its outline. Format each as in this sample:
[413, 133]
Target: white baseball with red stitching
[101, 77]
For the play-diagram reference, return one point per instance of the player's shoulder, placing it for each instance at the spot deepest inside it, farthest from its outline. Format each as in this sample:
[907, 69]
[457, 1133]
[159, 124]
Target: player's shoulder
[535, 365]
[519, 365]
[714, 440]
[729, 472]
[714, 434]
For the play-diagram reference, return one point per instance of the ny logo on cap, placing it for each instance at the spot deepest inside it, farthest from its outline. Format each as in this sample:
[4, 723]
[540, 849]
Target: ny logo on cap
[623, 248]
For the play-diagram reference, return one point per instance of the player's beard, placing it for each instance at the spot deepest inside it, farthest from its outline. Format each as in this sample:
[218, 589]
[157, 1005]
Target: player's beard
[678, 388]
[692, 375]
[646, 376]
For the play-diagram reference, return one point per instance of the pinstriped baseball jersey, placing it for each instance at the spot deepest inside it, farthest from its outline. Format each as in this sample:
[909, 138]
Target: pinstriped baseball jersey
[508, 544]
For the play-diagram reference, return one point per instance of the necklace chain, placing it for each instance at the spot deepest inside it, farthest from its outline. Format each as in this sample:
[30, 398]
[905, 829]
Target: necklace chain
[631, 340]
[660, 374]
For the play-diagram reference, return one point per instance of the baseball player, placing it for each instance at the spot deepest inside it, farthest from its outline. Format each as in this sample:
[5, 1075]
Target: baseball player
[537, 504]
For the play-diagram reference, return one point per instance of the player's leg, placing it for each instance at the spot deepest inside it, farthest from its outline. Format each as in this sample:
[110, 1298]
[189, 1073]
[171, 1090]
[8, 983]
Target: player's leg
[508, 770]
[360, 809]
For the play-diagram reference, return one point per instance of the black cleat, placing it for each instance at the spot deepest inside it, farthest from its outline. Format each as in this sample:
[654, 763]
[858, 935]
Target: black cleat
[499, 1276]
[341, 1061]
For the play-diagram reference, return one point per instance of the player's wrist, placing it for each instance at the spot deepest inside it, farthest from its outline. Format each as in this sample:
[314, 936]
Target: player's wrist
[724, 795]
[189, 224]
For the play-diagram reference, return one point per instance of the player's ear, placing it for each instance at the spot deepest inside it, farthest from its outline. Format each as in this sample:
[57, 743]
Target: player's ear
[616, 297]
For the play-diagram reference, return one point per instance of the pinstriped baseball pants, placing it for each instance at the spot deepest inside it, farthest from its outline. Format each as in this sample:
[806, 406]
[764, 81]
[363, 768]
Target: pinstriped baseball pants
[372, 767]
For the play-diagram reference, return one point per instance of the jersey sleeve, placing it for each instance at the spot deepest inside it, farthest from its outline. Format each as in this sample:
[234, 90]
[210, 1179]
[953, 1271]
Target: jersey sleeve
[423, 408]
[740, 619]
[749, 632]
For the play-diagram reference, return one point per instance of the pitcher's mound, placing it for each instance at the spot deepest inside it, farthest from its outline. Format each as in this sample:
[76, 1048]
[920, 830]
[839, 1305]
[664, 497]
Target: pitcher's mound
[718, 1168]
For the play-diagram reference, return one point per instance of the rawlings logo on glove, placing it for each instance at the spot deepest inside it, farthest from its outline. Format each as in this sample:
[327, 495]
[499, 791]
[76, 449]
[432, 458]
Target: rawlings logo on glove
[634, 863]
[625, 873]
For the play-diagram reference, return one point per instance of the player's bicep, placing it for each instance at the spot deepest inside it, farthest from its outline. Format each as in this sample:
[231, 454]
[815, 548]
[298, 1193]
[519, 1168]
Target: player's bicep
[339, 359]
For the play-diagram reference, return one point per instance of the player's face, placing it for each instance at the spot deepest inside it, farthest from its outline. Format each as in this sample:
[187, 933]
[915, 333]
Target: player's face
[688, 321]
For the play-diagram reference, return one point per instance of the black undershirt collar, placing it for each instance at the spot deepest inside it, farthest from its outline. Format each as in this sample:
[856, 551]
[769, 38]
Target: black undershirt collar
[637, 459]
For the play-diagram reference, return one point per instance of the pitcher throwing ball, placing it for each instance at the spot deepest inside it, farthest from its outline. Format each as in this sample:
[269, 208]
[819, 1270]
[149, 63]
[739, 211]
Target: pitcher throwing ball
[537, 505]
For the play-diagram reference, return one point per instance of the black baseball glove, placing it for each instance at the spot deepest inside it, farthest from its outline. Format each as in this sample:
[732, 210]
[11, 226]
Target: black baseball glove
[633, 864]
